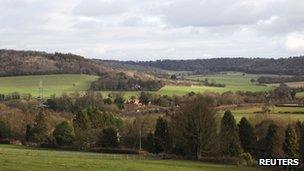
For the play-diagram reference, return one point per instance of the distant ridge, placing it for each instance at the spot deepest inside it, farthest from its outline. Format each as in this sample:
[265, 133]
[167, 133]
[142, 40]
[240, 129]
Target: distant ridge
[290, 66]
[13, 62]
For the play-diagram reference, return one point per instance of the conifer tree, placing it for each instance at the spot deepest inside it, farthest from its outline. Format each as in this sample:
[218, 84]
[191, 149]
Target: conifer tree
[40, 129]
[272, 141]
[81, 120]
[290, 145]
[300, 126]
[161, 135]
[109, 137]
[247, 136]
[230, 142]
[64, 133]
[149, 144]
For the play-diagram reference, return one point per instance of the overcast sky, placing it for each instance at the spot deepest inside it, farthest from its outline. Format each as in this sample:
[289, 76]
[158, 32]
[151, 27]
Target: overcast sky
[155, 29]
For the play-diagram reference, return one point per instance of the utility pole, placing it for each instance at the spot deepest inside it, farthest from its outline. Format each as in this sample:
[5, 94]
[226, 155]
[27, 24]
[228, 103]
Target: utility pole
[140, 139]
[40, 94]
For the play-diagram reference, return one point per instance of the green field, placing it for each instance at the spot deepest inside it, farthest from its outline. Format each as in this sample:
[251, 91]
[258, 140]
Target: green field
[300, 95]
[52, 84]
[290, 114]
[58, 84]
[182, 90]
[290, 84]
[233, 81]
[21, 158]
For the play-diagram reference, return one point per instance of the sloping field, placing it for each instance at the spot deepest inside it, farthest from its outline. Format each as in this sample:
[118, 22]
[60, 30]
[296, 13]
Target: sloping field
[66, 83]
[233, 81]
[286, 114]
[52, 84]
[300, 95]
[290, 84]
[293, 85]
[20, 158]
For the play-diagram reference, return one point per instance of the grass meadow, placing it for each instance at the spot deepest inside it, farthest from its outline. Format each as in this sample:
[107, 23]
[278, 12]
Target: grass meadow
[67, 83]
[21, 158]
[52, 84]
[233, 81]
[284, 114]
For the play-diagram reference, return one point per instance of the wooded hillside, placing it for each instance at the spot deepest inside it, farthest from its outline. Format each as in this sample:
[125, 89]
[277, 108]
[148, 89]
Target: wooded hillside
[292, 65]
[33, 63]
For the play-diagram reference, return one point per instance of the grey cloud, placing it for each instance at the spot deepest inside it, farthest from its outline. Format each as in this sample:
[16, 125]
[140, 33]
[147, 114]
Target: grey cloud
[149, 30]
[213, 13]
[98, 8]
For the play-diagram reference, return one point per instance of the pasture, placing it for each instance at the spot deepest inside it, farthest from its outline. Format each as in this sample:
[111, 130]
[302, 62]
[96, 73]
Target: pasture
[300, 95]
[52, 84]
[254, 113]
[290, 84]
[234, 82]
[67, 83]
[21, 158]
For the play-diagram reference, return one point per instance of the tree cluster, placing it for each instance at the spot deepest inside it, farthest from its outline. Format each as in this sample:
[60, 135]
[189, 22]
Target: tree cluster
[287, 66]
[120, 82]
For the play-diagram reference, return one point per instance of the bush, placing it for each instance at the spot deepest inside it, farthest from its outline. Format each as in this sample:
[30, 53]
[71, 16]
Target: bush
[248, 158]
[64, 133]
[109, 138]
[4, 130]
[115, 150]
[39, 132]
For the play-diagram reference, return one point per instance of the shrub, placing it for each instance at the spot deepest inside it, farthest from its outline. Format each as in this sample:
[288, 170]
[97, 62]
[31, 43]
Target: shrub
[64, 133]
[109, 137]
[4, 130]
[229, 137]
[248, 158]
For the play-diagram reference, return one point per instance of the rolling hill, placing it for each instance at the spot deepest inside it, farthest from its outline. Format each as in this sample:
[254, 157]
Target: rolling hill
[52, 84]
[289, 66]
[14, 63]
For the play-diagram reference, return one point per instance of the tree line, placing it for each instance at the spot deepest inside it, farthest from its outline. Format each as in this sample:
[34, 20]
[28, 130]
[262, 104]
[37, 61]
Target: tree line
[122, 82]
[289, 66]
[281, 79]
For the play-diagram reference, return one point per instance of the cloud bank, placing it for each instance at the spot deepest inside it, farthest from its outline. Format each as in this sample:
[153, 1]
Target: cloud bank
[155, 29]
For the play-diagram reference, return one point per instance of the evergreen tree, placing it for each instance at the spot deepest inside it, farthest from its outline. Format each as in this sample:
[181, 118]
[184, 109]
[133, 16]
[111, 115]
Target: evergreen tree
[119, 101]
[109, 137]
[149, 143]
[64, 133]
[28, 133]
[230, 142]
[300, 126]
[81, 120]
[40, 129]
[290, 145]
[247, 136]
[272, 141]
[145, 98]
[5, 131]
[161, 135]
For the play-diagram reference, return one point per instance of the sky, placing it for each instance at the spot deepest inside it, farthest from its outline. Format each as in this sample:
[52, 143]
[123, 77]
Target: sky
[155, 29]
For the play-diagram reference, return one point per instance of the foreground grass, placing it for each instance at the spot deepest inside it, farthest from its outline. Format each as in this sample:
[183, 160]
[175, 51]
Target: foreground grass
[21, 158]
[52, 84]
